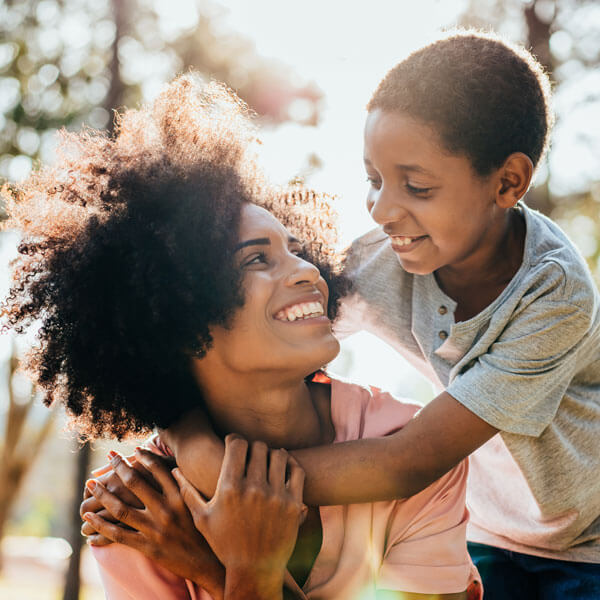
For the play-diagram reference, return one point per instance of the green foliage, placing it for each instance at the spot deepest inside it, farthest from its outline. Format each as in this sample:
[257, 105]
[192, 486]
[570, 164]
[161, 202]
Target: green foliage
[72, 62]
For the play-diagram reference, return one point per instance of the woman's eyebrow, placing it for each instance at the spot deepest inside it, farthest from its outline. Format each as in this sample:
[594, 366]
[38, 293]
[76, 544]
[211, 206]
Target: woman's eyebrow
[254, 242]
[262, 242]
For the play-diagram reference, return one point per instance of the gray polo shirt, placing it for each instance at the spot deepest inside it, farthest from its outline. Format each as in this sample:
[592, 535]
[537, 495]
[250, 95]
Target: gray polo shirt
[528, 364]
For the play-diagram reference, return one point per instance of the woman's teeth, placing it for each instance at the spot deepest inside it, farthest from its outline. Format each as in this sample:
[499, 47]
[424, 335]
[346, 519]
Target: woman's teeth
[305, 310]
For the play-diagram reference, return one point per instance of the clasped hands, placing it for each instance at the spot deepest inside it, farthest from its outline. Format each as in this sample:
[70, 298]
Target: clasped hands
[238, 541]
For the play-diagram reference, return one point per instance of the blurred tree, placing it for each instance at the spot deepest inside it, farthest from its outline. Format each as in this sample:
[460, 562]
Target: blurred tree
[563, 35]
[21, 440]
[59, 60]
[65, 63]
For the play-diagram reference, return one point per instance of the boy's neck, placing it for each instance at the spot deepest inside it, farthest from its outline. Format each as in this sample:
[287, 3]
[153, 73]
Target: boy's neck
[476, 285]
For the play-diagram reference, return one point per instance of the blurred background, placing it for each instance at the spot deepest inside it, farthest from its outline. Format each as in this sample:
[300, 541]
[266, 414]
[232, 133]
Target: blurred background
[308, 70]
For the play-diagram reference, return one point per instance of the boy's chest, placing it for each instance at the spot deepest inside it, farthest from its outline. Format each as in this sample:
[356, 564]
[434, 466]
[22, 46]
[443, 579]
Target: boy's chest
[471, 301]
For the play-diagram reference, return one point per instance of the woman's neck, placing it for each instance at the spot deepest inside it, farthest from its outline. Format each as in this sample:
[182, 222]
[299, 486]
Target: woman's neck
[283, 413]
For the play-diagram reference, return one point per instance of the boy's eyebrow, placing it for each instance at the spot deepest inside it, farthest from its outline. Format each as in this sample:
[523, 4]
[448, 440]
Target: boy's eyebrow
[416, 168]
[262, 242]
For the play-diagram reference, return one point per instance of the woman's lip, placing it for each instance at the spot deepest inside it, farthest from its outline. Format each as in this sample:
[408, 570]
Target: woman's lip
[312, 297]
[407, 247]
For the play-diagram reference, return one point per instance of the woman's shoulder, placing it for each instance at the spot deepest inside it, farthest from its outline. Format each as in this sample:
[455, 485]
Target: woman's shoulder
[359, 411]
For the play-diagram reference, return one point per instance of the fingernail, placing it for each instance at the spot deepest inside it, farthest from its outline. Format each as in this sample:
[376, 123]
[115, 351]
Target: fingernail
[87, 516]
[114, 458]
[91, 484]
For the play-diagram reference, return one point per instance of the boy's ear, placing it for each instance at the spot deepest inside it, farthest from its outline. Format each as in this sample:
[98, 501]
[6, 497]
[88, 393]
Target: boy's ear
[513, 179]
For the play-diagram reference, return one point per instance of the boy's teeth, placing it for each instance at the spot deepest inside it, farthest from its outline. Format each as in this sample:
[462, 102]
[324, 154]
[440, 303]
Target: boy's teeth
[403, 241]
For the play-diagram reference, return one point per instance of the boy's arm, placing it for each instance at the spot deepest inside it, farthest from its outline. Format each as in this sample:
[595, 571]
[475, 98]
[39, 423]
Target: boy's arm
[368, 470]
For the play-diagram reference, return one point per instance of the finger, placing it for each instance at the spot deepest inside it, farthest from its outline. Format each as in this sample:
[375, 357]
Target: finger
[137, 484]
[87, 529]
[101, 470]
[124, 513]
[192, 497]
[277, 465]
[115, 533]
[257, 466]
[98, 540]
[234, 461]
[90, 504]
[296, 479]
[107, 467]
[158, 469]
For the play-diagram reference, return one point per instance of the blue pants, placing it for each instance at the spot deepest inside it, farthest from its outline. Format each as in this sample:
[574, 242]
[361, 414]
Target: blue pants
[510, 575]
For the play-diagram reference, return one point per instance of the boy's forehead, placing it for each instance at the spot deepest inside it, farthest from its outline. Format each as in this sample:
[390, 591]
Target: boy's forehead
[410, 143]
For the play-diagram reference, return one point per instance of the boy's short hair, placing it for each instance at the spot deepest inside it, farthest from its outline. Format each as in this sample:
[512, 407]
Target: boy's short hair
[485, 97]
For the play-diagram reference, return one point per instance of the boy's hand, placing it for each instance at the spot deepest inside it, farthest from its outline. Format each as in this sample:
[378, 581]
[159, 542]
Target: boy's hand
[197, 449]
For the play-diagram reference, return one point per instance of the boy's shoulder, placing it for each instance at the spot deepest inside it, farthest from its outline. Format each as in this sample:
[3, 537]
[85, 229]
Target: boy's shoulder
[553, 262]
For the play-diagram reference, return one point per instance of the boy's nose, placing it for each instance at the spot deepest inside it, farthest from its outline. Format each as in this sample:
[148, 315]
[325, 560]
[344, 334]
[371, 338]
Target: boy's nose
[384, 208]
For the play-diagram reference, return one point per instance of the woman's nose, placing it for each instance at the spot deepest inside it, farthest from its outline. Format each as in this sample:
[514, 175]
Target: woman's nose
[303, 272]
[384, 207]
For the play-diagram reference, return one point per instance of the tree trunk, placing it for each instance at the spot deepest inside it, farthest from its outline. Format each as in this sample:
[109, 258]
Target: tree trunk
[113, 100]
[72, 579]
[538, 37]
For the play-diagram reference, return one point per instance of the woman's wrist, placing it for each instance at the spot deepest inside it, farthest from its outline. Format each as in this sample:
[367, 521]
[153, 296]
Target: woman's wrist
[246, 582]
[212, 579]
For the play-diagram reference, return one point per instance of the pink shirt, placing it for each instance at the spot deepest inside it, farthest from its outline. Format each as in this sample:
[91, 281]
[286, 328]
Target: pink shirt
[414, 545]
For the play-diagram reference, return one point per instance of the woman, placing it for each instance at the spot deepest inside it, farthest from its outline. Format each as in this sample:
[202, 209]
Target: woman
[164, 280]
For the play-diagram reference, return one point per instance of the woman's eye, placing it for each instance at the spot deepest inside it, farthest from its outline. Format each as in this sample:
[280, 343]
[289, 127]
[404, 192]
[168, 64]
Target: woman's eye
[256, 259]
[418, 191]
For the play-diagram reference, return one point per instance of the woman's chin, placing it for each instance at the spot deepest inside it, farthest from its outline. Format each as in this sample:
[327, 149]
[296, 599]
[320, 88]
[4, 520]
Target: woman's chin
[327, 353]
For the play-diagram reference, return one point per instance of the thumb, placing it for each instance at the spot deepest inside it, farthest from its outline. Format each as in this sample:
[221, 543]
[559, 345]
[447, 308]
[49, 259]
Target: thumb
[192, 498]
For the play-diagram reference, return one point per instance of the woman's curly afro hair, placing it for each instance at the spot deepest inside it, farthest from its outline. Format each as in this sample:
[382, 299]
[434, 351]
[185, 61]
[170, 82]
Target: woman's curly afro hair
[484, 97]
[126, 259]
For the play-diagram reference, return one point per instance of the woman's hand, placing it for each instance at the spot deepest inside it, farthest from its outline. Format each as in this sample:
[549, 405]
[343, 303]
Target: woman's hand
[113, 483]
[162, 529]
[252, 521]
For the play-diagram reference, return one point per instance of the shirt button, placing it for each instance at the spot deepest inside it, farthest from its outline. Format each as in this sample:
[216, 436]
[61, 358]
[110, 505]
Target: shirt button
[442, 335]
[442, 310]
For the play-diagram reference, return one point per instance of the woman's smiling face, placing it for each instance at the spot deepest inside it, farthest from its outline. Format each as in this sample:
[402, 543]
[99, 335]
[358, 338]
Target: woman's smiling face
[283, 324]
[436, 210]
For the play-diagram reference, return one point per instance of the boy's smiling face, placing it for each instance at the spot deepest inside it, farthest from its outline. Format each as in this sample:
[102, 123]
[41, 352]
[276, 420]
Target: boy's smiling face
[438, 212]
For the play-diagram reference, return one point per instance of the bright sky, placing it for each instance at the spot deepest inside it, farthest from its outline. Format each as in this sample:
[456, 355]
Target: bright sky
[345, 47]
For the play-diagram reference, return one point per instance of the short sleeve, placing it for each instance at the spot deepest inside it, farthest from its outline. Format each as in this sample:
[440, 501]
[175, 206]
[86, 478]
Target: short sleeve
[518, 384]
[128, 575]
[426, 550]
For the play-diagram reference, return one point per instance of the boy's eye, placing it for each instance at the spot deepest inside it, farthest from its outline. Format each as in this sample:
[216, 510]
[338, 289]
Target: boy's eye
[418, 191]
[373, 181]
